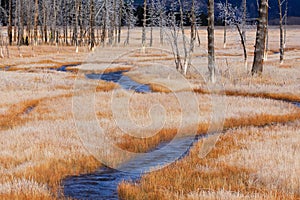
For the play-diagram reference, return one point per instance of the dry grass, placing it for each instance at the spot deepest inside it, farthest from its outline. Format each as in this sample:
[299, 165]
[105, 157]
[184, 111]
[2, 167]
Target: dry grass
[246, 163]
[41, 146]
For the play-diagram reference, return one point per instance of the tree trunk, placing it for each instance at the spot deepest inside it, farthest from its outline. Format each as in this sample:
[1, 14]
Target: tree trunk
[267, 38]
[144, 26]
[36, 15]
[92, 24]
[28, 21]
[9, 28]
[244, 18]
[103, 34]
[183, 38]
[21, 24]
[281, 32]
[193, 38]
[285, 21]
[211, 41]
[53, 32]
[80, 23]
[120, 20]
[15, 24]
[161, 23]
[260, 46]
[75, 34]
[225, 24]
[45, 22]
[244, 45]
[152, 22]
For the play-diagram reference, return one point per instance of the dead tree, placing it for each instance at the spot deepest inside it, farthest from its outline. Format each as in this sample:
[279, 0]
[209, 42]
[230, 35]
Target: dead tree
[234, 18]
[21, 23]
[225, 24]
[193, 38]
[45, 21]
[92, 25]
[144, 26]
[36, 15]
[285, 21]
[120, 20]
[211, 41]
[281, 32]
[9, 28]
[244, 18]
[260, 44]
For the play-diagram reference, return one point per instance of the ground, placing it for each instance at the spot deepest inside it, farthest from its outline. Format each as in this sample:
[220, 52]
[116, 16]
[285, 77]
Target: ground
[47, 116]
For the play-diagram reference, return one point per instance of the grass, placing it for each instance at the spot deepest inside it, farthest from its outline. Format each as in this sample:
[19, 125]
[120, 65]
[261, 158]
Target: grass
[42, 146]
[237, 168]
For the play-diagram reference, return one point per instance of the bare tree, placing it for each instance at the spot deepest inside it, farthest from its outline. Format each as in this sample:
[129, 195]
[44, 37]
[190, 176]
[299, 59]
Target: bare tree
[244, 19]
[234, 18]
[211, 41]
[130, 19]
[9, 28]
[36, 15]
[281, 31]
[285, 21]
[21, 23]
[120, 20]
[144, 26]
[225, 23]
[162, 17]
[92, 24]
[193, 38]
[104, 21]
[45, 15]
[152, 20]
[260, 43]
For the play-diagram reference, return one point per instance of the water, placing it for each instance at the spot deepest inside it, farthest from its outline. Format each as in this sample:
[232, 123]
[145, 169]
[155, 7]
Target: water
[296, 103]
[103, 183]
[124, 81]
[6, 68]
[64, 68]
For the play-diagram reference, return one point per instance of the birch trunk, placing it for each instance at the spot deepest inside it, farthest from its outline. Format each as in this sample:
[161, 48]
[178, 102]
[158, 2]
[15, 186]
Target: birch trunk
[281, 32]
[260, 43]
[211, 41]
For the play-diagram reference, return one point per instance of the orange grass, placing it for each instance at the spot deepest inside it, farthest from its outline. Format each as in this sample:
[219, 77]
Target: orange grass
[15, 114]
[195, 175]
[139, 145]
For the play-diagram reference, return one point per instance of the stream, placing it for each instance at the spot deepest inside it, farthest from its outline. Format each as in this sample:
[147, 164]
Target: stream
[103, 183]
[124, 81]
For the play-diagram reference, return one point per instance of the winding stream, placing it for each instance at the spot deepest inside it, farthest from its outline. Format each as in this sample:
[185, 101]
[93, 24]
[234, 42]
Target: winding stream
[124, 81]
[103, 183]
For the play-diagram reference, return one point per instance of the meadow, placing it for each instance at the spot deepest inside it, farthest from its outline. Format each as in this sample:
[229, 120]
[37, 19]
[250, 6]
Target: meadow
[256, 156]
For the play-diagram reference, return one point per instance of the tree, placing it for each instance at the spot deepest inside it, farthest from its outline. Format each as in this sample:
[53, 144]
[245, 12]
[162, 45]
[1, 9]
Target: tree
[235, 18]
[281, 31]
[129, 19]
[9, 28]
[193, 38]
[35, 22]
[244, 19]
[260, 43]
[225, 23]
[92, 24]
[285, 21]
[144, 26]
[211, 41]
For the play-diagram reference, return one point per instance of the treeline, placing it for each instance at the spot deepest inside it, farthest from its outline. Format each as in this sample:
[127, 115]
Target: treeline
[82, 22]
